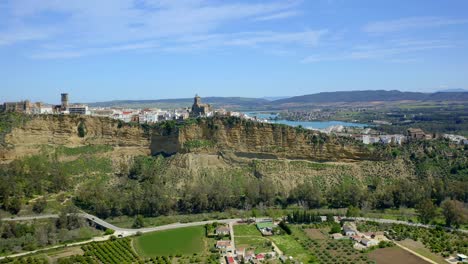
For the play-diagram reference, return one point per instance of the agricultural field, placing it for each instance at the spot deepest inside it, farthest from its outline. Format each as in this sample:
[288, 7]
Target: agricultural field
[419, 248]
[249, 237]
[314, 233]
[25, 260]
[394, 255]
[182, 241]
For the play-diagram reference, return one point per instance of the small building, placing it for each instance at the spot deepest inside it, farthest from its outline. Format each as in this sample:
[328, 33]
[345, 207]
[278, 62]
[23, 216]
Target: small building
[369, 242]
[337, 236]
[461, 257]
[416, 133]
[240, 252]
[249, 256]
[223, 244]
[78, 110]
[266, 227]
[230, 260]
[222, 231]
[349, 229]
[260, 257]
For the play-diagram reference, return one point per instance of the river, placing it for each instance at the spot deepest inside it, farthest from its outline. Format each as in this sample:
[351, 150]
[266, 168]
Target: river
[306, 124]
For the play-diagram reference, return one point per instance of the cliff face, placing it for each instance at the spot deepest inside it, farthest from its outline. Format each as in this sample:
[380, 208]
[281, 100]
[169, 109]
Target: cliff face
[211, 136]
[29, 137]
[249, 139]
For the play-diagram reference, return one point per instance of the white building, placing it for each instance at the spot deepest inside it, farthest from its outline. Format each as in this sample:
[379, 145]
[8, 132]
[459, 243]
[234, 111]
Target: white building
[369, 242]
[78, 110]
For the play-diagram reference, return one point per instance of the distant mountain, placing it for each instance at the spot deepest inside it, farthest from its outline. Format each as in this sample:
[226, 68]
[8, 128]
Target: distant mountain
[455, 90]
[218, 102]
[274, 98]
[371, 96]
[244, 103]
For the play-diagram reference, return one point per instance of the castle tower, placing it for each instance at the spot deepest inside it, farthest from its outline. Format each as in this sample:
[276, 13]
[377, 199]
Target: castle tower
[64, 101]
[197, 100]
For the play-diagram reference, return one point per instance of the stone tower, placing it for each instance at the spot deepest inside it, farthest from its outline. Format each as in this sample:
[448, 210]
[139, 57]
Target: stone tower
[64, 101]
[197, 100]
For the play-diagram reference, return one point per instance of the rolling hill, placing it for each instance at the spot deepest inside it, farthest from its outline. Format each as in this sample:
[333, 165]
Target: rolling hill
[370, 96]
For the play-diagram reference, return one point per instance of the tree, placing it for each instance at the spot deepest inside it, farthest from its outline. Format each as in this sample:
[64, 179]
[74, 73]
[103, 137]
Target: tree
[138, 222]
[81, 129]
[336, 228]
[40, 205]
[453, 212]
[353, 211]
[15, 205]
[426, 211]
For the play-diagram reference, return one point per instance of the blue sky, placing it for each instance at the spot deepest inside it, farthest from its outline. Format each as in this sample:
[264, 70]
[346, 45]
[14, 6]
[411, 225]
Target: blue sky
[152, 49]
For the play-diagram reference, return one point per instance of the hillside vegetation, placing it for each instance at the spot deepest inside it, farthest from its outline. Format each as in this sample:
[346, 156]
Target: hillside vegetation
[208, 177]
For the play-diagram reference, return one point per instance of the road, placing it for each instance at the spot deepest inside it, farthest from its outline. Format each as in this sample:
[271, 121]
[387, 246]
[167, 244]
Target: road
[121, 232]
[125, 231]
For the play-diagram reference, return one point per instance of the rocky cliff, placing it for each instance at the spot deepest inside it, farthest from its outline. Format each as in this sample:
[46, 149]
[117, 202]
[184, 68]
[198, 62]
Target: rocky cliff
[218, 136]
[51, 130]
[255, 140]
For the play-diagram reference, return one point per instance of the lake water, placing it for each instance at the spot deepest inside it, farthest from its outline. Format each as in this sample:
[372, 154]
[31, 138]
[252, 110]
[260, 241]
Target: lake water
[305, 124]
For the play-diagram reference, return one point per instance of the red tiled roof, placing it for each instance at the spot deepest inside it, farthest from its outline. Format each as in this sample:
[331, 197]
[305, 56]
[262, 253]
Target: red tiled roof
[230, 259]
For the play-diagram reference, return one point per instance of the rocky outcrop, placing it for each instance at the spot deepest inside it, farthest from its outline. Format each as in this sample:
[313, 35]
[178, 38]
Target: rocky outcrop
[216, 136]
[54, 130]
[256, 140]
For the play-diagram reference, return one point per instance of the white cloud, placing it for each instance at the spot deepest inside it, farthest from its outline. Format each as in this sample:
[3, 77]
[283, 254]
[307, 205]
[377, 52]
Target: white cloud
[388, 53]
[411, 23]
[69, 52]
[99, 26]
[281, 15]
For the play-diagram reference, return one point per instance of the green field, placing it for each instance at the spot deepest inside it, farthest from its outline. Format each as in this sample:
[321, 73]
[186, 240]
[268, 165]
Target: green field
[246, 230]
[259, 244]
[181, 241]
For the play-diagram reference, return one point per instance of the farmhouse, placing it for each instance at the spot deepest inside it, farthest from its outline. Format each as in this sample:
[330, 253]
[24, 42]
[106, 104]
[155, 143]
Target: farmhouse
[224, 246]
[222, 230]
[349, 229]
[369, 242]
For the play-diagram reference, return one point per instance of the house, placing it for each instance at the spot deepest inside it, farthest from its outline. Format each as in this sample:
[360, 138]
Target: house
[461, 257]
[266, 228]
[369, 242]
[224, 245]
[416, 133]
[230, 260]
[356, 238]
[260, 257]
[240, 252]
[249, 256]
[349, 229]
[222, 231]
